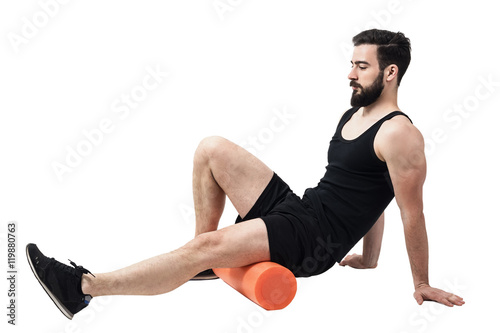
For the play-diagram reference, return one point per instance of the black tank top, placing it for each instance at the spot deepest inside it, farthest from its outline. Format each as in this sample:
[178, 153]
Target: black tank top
[356, 187]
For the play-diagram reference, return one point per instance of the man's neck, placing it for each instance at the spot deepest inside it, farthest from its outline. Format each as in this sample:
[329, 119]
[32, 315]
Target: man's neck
[384, 105]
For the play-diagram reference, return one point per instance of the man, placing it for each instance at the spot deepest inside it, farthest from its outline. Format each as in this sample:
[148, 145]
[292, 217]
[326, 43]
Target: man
[375, 155]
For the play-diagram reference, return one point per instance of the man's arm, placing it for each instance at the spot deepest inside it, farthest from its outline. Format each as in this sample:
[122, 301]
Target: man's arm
[402, 147]
[372, 243]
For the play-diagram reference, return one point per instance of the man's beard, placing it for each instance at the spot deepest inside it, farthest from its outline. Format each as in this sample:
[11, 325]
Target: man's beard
[366, 96]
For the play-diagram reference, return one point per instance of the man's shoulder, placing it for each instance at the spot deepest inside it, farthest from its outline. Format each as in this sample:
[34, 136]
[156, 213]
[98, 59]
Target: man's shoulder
[399, 128]
[398, 136]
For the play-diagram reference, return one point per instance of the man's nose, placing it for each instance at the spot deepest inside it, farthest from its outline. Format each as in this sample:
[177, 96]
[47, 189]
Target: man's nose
[352, 75]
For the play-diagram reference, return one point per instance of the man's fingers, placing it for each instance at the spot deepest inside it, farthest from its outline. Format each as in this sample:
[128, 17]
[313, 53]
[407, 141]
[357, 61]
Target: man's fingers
[456, 300]
[446, 302]
[346, 260]
[451, 300]
[418, 298]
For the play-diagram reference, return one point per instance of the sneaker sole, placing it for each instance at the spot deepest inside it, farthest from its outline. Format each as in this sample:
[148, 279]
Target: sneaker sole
[54, 299]
[204, 278]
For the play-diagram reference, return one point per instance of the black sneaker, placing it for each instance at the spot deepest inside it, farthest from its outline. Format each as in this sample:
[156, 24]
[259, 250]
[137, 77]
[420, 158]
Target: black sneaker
[62, 283]
[205, 275]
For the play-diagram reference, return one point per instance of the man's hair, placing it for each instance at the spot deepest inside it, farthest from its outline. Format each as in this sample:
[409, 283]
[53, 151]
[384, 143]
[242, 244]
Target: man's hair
[392, 48]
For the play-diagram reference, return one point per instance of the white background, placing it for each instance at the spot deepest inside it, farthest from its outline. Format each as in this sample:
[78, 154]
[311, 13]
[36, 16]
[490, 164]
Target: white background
[229, 71]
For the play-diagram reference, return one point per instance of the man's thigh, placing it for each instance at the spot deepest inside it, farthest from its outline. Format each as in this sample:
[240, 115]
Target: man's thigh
[241, 175]
[237, 245]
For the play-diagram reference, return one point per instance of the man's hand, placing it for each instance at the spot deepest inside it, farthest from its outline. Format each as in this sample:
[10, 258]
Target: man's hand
[356, 261]
[427, 293]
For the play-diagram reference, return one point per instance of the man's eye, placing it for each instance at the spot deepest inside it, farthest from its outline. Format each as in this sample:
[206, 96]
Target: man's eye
[362, 67]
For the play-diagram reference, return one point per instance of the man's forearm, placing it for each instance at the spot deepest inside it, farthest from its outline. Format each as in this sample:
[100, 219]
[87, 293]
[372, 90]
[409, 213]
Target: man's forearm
[417, 247]
[372, 243]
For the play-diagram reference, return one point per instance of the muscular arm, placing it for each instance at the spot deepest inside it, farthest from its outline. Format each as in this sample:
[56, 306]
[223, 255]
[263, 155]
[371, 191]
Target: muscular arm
[407, 167]
[402, 147]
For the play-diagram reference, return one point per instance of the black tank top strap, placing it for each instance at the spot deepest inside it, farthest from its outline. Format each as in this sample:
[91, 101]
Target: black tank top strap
[370, 133]
[394, 114]
[346, 117]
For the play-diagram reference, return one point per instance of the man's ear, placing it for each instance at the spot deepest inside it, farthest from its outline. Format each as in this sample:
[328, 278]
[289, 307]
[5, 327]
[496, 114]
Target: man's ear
[392, 72]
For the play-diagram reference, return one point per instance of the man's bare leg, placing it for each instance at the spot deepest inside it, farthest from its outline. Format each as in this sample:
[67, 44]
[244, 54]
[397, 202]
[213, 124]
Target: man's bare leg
[220, 168]
[223, 168]
[234, 246]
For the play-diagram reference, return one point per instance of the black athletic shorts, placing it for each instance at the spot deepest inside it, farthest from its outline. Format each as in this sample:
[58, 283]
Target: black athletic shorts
[297, 239]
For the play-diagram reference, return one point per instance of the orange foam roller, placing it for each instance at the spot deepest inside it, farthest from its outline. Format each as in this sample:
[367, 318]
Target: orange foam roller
[267, 284]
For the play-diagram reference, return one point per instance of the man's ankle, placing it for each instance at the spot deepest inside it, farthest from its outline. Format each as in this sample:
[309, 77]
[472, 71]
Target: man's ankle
[87, 285]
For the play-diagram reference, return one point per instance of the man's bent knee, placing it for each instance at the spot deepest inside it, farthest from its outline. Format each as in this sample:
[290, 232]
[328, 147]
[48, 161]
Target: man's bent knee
[211, 145]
